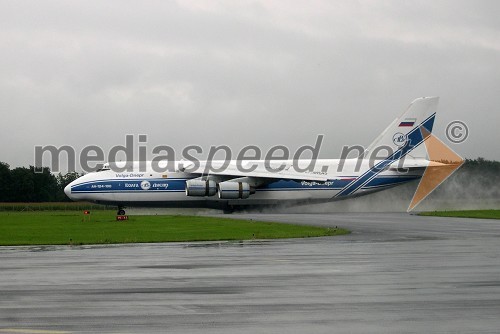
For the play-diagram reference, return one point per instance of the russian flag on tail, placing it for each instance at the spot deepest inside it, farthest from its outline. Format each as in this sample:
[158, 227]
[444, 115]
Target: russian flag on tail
[408, 122]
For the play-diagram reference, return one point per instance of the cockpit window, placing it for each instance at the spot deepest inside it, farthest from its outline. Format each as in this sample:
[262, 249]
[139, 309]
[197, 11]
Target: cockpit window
[105, 167]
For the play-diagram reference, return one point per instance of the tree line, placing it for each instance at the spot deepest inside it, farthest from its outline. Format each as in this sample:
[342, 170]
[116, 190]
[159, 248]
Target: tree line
[477, 178]
[24, 184]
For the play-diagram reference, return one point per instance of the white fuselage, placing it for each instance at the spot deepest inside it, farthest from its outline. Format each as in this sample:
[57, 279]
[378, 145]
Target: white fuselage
[191, 184]
[145, 187]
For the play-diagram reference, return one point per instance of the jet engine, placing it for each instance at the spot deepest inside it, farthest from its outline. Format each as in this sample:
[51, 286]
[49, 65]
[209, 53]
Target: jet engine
[233, 190]
[198, 187]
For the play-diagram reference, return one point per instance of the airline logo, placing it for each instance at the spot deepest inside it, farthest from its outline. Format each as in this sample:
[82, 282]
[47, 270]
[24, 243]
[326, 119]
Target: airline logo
[408, 122]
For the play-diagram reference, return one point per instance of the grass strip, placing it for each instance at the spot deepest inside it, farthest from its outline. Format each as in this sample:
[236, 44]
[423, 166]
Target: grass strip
[101, 227]
[485, 214]
[52, 206]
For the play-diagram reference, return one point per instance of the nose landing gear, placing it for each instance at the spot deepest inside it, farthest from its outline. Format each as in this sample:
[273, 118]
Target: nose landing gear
[121, 211]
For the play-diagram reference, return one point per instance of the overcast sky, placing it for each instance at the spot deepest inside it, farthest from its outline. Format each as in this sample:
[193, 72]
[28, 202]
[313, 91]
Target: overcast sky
[243, 72]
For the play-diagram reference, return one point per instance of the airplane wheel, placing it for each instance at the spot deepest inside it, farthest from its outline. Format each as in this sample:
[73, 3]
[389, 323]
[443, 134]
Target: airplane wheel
[121, 212]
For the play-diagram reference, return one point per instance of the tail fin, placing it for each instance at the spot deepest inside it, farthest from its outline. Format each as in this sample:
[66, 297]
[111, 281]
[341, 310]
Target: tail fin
[399, 139]
[420, 113]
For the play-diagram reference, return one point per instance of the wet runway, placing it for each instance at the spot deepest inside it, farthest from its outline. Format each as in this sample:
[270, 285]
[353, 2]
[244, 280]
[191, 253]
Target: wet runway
[395, 273]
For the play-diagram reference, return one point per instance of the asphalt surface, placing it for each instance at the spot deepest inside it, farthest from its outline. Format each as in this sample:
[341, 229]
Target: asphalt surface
[395, 273]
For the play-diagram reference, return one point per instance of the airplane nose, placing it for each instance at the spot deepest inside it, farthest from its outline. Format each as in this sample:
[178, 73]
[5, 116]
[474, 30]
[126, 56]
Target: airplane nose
[67, 190]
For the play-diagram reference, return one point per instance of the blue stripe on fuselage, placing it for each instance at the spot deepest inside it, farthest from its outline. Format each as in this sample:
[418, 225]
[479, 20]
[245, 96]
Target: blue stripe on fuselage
[380, 181]
[178, 185]
[109, 185]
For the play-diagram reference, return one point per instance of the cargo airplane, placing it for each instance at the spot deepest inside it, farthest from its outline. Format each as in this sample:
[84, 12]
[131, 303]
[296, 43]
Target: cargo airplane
[189, 185]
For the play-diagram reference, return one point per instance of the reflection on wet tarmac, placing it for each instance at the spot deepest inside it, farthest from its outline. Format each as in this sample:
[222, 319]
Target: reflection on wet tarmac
[394, 273]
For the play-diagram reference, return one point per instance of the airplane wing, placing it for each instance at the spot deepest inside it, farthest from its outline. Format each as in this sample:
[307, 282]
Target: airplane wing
[286, 171]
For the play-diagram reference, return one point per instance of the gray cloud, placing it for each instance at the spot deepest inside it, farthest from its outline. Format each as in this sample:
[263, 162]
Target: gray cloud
[240, 73]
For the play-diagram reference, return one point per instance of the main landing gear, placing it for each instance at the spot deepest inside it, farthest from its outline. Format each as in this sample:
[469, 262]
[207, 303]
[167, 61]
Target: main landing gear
[228, 210]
